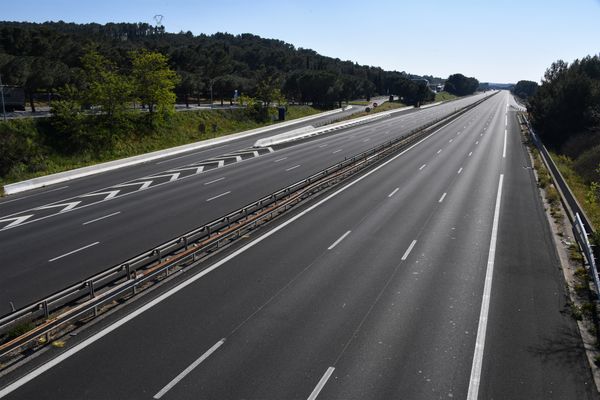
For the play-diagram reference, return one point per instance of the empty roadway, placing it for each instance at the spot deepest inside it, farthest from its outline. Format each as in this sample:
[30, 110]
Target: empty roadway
[375, 290]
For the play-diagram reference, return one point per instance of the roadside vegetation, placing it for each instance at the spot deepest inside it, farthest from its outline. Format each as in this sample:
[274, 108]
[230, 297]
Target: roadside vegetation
[444, 96]
[565, 112]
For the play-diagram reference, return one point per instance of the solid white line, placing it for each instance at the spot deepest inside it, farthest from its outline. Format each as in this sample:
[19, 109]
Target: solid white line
[485, 304]
[189, 369]
[339, 240]
[72, 252]
[32, 195]
[117, 324]
[439, 151]
[280, 159]
[215, 180]
[294, 167]
[471, 153]
[393, 192]
[321, 383]
[442, 198]
[504, 148]
[219, 195]
[460, 170]
[407, 252]
[190, 154]
[337, 151]
[98, 219]
[422, 166]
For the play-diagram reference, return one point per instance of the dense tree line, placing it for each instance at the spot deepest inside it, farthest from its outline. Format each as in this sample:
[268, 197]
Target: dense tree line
[460, 85]
[565, 111]
[525, 89]
[45, 57]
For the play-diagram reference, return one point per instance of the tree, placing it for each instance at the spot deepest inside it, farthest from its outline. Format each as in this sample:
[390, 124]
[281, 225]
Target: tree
[525, 89]
[460, 85]
[105, 87]
[154, 82]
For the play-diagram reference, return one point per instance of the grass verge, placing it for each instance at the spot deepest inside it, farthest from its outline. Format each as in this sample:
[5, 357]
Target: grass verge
[444, 96]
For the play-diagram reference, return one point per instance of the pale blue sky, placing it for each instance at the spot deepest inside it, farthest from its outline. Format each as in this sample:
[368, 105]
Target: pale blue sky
[499, 41]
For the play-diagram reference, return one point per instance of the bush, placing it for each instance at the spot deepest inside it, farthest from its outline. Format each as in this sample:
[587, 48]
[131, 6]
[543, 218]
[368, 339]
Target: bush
[586, 165]
[20, 146]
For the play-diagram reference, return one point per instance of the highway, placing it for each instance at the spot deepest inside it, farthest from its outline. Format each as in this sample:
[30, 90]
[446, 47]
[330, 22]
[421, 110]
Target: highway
[59, 236]
[431, 276]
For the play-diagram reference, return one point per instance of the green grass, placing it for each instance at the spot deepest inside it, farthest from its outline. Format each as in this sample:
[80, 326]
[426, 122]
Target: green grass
[359, 103]
[578, 187]
[444, 96]
[182, 128]
[387, 106]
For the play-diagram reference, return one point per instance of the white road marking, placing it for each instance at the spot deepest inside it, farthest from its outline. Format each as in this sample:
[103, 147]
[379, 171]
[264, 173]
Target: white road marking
[189, 369]
[504, 148]
[457, 133]
[450, 141]
[339, 240]
[73, 252]
[32, 195]
[117, 324]
[188, 155]
[422, 166]
[442, 198]
[337, 151]
[321, 384]
[407, 252]
[366, 140]
[439, 151]
[280, 159]
[460, 170]
[477, 142]
[475, 379]
[219, 195]
[101, 218]
[393, 192]
[323, 145]
[294, 167]
[214, 180]
[470, 154]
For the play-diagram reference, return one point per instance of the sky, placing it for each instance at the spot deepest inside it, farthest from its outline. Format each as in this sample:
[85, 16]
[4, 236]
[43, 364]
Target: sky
[500, 41]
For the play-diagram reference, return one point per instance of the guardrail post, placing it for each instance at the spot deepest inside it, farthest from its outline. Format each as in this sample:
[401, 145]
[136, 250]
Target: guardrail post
[46, 317]
[92, 295]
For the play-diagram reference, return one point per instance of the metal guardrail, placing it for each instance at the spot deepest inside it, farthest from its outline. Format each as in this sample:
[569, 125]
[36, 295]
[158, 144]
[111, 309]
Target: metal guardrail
[582, 225]
[87, 298]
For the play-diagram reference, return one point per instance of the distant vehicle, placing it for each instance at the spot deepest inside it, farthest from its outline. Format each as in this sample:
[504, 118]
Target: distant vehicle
[14, 98]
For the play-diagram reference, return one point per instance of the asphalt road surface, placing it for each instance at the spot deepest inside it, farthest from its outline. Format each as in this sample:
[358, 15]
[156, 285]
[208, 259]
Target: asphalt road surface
[432, 276]
[61, 235]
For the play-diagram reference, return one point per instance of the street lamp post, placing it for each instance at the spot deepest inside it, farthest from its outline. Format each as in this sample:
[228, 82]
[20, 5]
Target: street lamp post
[2, 96]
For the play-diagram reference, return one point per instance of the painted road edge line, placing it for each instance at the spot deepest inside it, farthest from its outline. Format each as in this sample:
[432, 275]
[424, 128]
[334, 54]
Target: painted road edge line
[321, 383]
[189, 369]
[73, 252]
[110, 328]
[101, 218]
[339, 240]
[475, 378]
[407, 252]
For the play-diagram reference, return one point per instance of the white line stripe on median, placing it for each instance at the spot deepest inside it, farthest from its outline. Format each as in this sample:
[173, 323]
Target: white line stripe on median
[73, 252]
[101, 218]
[407, 252]
[339, 240]
[442, 198]
[321, 383]
[393, 192]
[189, 369]
[117, 324]
[294, 167]
[475, 379]
[217, 196]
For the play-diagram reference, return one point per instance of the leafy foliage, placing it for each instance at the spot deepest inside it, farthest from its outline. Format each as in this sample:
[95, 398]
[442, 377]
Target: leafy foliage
[460, 85]
[525, 89]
